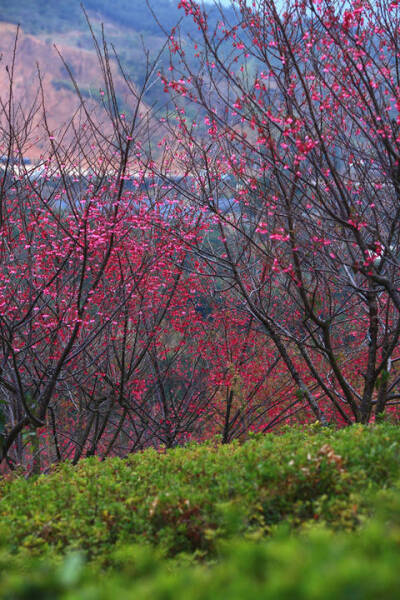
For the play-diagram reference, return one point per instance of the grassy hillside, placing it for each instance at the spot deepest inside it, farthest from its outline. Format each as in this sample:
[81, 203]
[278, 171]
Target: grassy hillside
[209, 517]
[128, 26]
[47, 16]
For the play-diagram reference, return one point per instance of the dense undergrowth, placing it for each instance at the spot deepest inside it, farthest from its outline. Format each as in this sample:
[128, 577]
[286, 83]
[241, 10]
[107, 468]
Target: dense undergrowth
[305, 514]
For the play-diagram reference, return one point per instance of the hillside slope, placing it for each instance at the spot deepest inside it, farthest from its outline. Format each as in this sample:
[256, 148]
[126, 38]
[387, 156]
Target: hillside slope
[46, 16]
[60, 98]
[129, 27]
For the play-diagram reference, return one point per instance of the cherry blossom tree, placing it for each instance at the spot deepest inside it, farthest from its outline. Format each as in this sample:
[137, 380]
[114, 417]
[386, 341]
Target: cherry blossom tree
[88, 268]
[237, 269]
[294, 149]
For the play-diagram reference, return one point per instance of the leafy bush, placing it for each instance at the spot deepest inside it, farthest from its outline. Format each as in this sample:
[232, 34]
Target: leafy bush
[314, 564]
[186, 499]
[193, 521]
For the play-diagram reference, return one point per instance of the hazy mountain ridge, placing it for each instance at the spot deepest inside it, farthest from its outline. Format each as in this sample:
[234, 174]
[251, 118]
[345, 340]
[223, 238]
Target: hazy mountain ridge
[39, 17]
[61, 100]
[127, 24]
[46, 16]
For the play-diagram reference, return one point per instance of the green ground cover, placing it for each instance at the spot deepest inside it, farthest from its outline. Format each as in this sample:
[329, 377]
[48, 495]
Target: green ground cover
[305, 514]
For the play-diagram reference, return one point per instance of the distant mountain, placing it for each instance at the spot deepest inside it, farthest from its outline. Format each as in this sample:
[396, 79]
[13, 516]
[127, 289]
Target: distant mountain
[127, 23]
[46, 16]
[60, 97]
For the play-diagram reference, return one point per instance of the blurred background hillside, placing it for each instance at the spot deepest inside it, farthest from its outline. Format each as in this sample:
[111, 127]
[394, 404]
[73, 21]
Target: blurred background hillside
[130, 27]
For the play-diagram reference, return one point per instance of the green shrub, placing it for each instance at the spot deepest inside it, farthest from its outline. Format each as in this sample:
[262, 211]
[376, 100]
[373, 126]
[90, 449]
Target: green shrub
[311, 565]
[186, 499]
[192, 522]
